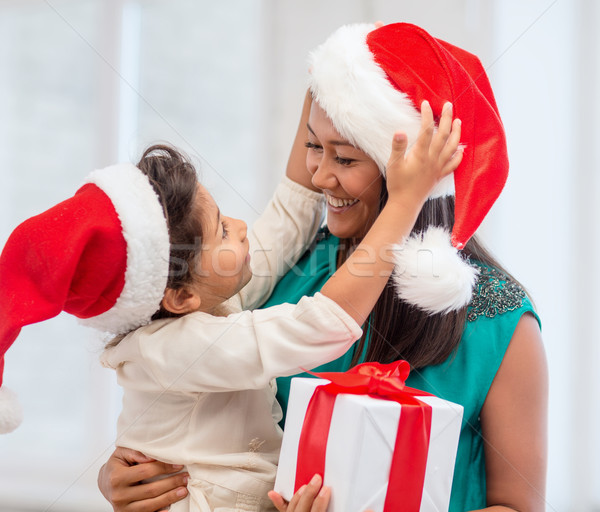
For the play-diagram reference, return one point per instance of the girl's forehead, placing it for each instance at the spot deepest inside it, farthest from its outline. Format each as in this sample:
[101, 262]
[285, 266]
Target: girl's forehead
[206, 204]
[205, 199]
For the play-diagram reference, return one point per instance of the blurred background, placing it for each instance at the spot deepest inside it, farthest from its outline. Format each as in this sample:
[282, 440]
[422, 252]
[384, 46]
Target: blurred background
[84, 83]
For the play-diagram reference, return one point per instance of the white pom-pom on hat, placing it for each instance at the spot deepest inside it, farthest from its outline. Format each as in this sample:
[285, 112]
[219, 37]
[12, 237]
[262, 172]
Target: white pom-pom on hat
[431, 274]
[11, 413]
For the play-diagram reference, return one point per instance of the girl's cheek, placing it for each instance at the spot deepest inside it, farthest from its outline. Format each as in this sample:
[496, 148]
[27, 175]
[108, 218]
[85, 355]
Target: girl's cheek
[229, 261]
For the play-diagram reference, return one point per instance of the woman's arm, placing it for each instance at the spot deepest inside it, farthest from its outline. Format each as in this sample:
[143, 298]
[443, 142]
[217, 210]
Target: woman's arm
[296, 167]
[514, 425]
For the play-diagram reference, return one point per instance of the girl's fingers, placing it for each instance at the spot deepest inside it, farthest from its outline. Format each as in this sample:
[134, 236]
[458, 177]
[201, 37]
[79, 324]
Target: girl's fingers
[450, 166]
[441, 136]
[399, 145]
[426, 132]
[452, 143]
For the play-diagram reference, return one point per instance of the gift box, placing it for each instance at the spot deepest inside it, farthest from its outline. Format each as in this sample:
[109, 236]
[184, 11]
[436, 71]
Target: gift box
[378, 444]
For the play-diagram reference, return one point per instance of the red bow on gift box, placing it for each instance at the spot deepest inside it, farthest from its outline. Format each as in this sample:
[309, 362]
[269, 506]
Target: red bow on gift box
[383, 382]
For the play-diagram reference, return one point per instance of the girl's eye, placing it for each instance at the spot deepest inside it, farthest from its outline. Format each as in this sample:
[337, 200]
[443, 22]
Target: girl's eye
[313, 146]
[343, 161]
[225, 230]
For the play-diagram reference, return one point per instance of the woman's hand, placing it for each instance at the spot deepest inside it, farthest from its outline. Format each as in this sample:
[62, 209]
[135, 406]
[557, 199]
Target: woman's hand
[411, 175]
[121, 482]
[312, 497]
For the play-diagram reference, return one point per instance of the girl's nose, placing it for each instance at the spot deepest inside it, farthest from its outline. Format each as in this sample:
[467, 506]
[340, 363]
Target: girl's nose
[242, 229]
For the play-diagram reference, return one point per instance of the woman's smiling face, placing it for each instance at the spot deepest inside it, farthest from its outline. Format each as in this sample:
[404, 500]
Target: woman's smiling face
[350, 179]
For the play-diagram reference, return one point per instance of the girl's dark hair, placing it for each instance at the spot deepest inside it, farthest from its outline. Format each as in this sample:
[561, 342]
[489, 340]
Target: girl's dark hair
[175, 181]
[398, 330]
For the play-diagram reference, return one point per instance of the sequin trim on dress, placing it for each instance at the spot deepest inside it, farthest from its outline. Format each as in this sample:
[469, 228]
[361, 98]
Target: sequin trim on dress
[494, 294]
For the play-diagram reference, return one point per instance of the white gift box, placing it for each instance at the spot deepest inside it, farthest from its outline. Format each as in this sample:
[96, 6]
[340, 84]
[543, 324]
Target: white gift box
[360, 447]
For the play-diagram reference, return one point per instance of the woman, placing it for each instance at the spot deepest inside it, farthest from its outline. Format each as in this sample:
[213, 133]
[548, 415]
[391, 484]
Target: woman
[472, 339]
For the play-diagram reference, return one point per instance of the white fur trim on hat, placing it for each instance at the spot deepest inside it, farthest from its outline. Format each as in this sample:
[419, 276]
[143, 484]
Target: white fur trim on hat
[358, 97]
[147, 237]
[431, 274]
[11, 413]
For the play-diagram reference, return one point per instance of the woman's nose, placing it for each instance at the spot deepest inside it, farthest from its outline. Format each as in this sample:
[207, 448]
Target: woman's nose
[324, 177]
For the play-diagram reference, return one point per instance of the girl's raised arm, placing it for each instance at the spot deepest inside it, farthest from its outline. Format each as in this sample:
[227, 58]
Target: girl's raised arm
[357, 284]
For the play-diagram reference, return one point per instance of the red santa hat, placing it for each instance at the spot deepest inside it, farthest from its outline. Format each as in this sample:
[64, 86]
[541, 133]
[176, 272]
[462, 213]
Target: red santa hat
[102, 255]
[371, 83]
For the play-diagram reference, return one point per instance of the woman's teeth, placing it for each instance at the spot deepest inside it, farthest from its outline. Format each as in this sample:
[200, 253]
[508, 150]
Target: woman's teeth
[338, 202]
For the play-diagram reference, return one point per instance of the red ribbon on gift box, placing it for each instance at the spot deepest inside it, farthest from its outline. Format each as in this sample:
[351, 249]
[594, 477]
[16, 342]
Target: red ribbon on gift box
[384, 382]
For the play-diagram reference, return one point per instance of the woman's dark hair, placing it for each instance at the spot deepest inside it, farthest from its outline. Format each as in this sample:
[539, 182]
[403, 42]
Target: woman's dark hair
[175, 181]
[398, 330]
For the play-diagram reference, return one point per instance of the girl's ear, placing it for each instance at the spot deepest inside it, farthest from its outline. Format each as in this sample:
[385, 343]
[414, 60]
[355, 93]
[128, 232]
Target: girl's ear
[180, 301]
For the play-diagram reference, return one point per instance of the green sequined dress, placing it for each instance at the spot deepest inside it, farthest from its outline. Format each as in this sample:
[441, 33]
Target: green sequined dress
[464, 378]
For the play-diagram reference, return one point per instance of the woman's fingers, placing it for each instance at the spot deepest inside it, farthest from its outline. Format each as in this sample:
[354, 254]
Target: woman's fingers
[280, 504]
[155, 489]
[322, 500]
[311, 497]
[120, 482]
[159, 503]
[149, 471]
[152, 503]
[131, 457]
[306, 502]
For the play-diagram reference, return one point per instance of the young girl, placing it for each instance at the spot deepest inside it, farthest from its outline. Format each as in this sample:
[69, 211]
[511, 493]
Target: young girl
[197, 384]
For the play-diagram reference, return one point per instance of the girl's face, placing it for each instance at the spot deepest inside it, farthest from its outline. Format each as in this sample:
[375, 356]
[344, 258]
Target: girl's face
[350, 179]
[223, 266]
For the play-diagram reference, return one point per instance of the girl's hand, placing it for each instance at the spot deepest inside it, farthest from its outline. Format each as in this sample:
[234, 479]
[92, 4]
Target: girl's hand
[121, 482]
[313, 497]
[411, 176]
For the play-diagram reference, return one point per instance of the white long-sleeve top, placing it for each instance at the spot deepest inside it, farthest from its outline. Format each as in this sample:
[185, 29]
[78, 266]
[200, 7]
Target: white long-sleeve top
[197, 389]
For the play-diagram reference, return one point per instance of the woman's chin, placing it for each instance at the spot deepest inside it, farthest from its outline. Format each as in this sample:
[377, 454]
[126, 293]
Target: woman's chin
[344, 229]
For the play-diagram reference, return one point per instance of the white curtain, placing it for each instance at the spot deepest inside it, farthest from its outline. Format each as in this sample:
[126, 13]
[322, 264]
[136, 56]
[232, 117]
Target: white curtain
[86, 82]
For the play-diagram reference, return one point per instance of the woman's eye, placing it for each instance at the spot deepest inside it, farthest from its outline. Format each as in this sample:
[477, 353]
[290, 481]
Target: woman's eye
[343, 161]
[313, 146]
[225, 230]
